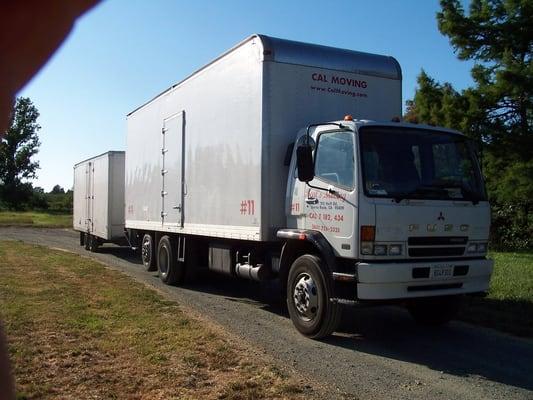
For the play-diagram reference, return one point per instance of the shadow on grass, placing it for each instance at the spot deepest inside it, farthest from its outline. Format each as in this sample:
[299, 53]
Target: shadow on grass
[506, 315]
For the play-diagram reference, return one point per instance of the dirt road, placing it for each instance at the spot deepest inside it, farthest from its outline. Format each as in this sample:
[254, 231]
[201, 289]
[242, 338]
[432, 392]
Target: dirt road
[379, 353]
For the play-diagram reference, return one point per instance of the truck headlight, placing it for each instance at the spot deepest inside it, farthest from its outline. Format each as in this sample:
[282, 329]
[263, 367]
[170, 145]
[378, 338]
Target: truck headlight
[477, 247]
[395, 249]
[367, 248]
[472, 248]
[380, 250]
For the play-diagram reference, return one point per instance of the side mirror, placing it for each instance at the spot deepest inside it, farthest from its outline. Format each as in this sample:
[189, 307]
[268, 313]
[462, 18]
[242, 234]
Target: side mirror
[304, 162]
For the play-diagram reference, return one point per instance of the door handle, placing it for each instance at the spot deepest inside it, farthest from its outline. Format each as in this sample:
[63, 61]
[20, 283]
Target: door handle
[177, 208]
[311, 200]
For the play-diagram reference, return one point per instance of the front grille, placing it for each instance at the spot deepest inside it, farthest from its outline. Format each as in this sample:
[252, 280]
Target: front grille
[435, 251]
[436, 240]
[436, 246]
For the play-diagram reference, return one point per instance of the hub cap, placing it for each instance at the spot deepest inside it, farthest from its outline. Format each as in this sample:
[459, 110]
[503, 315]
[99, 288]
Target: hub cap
[146, 250]
[305, 297]
[163, 261]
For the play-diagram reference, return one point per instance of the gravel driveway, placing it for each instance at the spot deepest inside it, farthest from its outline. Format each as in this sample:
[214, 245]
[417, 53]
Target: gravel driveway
[378, 354]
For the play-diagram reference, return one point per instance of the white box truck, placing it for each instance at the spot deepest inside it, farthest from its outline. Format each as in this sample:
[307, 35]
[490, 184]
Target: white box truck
[98, 204]
[247, 167]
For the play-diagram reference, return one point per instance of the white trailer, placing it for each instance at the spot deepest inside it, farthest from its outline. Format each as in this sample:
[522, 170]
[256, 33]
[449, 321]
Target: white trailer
[245, 168]
[99, 199]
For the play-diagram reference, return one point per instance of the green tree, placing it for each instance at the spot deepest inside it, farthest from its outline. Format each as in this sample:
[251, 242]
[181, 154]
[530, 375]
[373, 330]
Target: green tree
[437, 104]
[17, 148]
[498, 36]
[57, 190]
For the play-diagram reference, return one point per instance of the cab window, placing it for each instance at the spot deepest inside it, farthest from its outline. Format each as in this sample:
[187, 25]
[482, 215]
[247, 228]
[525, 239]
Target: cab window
[334, 158]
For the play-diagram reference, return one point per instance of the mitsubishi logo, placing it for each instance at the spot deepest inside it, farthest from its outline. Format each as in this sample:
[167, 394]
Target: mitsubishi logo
[440, 217]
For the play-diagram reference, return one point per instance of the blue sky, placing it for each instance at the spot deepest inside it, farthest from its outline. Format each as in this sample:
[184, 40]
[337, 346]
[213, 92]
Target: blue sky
[124, 52]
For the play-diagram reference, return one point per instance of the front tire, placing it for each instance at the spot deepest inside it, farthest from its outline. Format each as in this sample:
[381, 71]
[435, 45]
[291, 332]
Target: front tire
[148, 253]
[170, 270]
[308, 298]
[435, 311]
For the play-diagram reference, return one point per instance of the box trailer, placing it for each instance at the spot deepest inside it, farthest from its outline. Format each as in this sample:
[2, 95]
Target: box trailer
[248, 168]
[98, 205]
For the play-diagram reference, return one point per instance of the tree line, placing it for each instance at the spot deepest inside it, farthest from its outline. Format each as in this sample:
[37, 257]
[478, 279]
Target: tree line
[496, 113]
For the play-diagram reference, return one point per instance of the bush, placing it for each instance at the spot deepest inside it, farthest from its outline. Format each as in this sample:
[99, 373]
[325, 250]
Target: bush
[512, 227]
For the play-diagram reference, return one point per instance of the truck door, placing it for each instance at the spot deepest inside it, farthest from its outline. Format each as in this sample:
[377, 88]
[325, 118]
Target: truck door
[332, 212]
[89, 196]
[172, 171]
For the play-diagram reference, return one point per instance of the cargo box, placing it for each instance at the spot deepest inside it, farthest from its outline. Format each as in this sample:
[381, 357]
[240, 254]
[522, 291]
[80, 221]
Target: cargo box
[99, 196]
[207, 156]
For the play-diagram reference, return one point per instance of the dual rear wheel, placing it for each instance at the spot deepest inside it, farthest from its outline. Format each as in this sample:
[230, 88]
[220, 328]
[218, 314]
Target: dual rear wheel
[171, 271]
[163, 258]
[90, 242]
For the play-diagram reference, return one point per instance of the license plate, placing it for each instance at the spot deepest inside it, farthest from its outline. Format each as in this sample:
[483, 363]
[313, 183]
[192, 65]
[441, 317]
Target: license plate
[439, 272]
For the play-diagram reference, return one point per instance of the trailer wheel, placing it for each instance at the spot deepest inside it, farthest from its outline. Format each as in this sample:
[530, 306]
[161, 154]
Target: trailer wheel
[308, 296]
[170, 270]
[93, 243]
[82, 238]
[148, 252]
[435, 311]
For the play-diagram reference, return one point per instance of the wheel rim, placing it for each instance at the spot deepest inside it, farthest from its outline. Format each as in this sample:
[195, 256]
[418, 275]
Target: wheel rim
[146, 250]
[163, 261]
[305, 296]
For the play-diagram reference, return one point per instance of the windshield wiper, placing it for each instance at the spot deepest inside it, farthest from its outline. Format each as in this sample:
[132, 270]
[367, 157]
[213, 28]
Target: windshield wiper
[468, 194]
[420, 190]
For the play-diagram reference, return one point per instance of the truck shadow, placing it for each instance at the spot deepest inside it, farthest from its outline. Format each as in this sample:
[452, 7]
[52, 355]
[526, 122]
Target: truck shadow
[457, 349]
[123, 253]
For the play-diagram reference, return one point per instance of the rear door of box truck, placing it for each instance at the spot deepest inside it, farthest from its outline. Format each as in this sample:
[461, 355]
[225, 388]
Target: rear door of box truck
[79, 218]
[172, 170]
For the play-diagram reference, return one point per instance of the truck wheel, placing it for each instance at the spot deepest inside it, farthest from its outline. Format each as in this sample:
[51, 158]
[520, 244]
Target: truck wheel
[93, 243]
[87, 241]
[148, 253]
[308, 296]
[170, 270]
[435, 311]
[82, 238]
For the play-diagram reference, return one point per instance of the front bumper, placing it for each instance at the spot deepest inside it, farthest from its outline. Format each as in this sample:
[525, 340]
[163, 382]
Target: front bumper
[387, 281]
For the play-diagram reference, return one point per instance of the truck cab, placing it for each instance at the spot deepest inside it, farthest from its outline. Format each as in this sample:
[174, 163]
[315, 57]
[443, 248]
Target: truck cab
[401, 207]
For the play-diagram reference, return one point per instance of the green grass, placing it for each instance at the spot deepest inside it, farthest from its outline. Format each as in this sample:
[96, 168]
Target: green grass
[79, 330]
[35, 219]
[509, 305]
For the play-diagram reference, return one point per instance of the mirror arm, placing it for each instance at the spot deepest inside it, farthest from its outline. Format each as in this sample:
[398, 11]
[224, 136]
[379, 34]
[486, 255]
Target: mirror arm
[329, 190]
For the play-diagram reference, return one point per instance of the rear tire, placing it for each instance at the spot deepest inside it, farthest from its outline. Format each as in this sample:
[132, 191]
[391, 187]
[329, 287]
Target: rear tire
[435, 311]
[86, 241]
[170, 270]
[82, 238]
[308, 294]
[93, 243]
[148, 253]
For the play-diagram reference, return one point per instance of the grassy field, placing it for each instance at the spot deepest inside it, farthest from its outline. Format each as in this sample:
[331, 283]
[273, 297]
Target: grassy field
[509, 305]
[79, 330]
[35, 219]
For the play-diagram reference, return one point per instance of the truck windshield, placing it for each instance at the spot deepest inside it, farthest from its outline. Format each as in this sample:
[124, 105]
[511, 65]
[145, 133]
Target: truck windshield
[403, 163]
